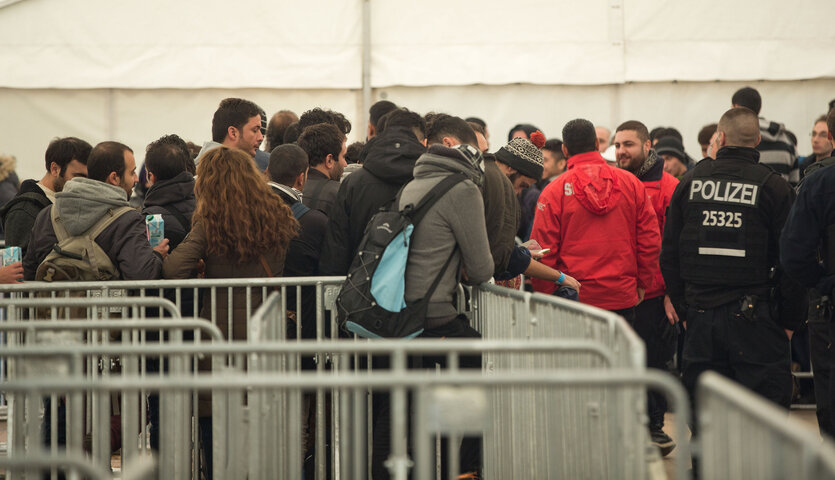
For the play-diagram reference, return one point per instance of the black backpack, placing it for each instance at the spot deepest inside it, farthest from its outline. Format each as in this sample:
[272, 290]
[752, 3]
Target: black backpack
[371, 302]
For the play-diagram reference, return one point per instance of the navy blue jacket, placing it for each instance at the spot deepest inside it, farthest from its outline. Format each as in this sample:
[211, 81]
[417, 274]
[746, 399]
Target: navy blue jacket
[805, 229]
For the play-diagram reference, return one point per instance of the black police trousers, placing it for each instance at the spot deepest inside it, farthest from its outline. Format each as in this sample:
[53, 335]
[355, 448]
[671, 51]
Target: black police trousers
[748, 347]
[659, 336]
[820, 340]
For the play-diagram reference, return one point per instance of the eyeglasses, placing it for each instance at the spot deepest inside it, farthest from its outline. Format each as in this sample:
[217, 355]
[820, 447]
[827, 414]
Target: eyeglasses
[823, 135]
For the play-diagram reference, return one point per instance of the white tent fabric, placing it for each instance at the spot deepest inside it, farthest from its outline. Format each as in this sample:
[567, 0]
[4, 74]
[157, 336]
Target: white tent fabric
[133, 71]
[318, 43]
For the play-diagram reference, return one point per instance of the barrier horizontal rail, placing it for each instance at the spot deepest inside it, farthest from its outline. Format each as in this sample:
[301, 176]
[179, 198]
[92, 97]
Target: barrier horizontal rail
[136, 330]
[217, 298]
[33, 466]
[742, 435]
[530, 419]
[262, 352]
[264, 393]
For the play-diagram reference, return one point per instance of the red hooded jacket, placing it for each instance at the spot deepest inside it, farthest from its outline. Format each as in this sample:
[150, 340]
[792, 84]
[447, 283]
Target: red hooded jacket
[660, 186]
[601, 228]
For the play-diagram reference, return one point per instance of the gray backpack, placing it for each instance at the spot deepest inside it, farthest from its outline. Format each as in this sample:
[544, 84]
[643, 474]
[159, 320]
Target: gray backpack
[79, 258]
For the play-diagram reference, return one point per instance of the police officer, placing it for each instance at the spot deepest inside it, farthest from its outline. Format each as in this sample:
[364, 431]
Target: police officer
[719, 257]
[807, 252]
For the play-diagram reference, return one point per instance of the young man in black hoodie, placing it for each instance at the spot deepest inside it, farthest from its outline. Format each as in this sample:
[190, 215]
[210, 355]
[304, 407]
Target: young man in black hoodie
[172, 187]
[389, 161]
[66, 158]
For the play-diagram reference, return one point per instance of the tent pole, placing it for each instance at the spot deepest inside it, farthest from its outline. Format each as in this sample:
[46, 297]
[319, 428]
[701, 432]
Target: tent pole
[366, 63]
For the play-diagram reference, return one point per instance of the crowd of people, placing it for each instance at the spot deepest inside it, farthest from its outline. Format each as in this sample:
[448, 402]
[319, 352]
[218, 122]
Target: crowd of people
[710, 259]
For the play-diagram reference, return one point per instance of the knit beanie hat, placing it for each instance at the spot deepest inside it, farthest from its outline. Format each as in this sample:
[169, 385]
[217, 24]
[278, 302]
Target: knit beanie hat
[523, 155]
[672, 146]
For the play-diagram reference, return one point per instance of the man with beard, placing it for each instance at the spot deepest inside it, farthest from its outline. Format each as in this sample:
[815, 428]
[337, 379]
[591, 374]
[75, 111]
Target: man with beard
[236, 123]
[66, 158]
[655, 316]
[85, 202]
[325, 146]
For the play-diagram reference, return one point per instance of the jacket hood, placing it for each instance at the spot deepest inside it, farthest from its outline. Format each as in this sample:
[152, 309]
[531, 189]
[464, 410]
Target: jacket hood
[84, 201]
[206, 147]
[596, 186]
[174, 190]
[444, 160]
[652, 169]
[393, 155]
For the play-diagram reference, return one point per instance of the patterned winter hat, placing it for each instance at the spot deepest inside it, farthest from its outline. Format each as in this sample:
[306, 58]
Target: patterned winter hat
[523, 155]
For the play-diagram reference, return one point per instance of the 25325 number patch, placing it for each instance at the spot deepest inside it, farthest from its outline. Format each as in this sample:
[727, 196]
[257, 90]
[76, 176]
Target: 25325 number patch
[718, 218]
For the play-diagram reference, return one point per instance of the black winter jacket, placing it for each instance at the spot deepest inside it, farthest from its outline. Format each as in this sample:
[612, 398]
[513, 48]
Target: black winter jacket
[810, 225]
[174, 199]
[389, 163]
[502, 212]
[20, 213]
[320, 191]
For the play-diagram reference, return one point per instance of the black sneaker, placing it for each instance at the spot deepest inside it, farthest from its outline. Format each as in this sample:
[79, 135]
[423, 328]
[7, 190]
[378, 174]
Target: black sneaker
[662, 441]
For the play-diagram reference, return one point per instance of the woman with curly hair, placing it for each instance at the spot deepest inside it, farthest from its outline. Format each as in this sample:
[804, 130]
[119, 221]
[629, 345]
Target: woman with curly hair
[240, 229]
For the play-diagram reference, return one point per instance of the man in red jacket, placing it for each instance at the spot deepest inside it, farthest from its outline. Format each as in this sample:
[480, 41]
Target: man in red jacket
[655, 317]
[600, 226]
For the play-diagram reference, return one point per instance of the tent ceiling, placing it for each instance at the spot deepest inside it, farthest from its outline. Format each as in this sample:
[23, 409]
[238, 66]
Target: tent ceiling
[318, 43]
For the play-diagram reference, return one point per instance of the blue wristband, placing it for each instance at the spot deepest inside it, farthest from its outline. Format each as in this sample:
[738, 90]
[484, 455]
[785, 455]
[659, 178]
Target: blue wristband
[561, 279]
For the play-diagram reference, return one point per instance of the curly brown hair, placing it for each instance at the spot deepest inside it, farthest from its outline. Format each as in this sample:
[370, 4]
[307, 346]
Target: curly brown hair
[242, 216]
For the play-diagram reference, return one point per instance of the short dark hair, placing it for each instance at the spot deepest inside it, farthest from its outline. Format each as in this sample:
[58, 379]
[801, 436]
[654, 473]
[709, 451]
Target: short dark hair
[477, 127]
[291, 134]
[379, 109]
[477, 120]
[440, 125]
[287, 162]
[317, 115]
[554, 145]
[167, 157]
[352, 153]
[64, 150]
[635, 126]
[525, 127]
[749, 98]
[830, 121]
[321, 140]
[658, 133]
[706, 133]
[105, 158]
[579, 136]
[740, 126]
[278, 125]
[403, 117]
[232, 112]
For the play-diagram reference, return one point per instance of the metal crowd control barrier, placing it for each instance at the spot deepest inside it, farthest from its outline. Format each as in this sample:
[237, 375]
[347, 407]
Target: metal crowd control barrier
[219, 296]
[36, 465]
[596, 434]
[257, 428]
[216, 300]
[230, 418]
[132, 329]
[742, 435]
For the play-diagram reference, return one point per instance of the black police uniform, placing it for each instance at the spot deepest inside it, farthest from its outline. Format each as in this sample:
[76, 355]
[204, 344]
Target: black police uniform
[807, 252]
[718, 258]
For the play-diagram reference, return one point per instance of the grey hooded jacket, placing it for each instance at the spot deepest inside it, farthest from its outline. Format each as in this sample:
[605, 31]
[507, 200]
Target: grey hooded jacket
[80, 205]
[457, 219]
